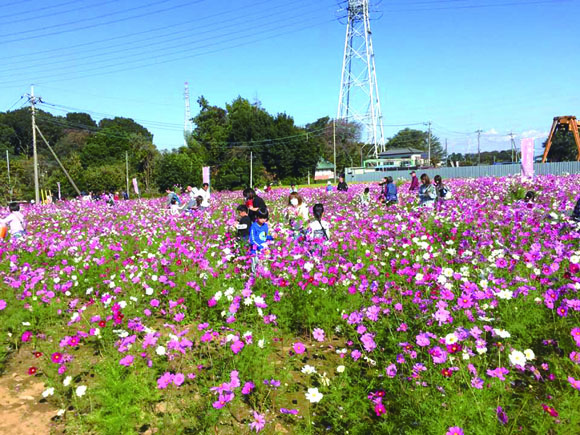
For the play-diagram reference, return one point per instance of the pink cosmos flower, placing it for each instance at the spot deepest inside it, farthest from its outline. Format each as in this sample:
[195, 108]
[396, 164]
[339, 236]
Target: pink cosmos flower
[318, 334]
[391, 370]
[127, 361]
[380, 409]
[178, 379]
[237, 346]
[248, 387]
[223, 399]
[56, 357]
[2, 304]
[575, 357]
[258, 423]
[26, 336]
[574, 383]
[455, 430]
[299, 348]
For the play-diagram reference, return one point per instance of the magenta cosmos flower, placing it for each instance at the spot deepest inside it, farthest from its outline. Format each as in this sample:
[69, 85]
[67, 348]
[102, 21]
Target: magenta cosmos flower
[299, 348]
[56, 357]
[455, 430]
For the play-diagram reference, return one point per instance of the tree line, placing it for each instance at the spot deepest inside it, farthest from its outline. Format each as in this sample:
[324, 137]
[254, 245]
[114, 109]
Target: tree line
[228, 139]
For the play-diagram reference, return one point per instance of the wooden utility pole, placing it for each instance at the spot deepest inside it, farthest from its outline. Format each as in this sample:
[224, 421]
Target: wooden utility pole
[127, 169]
[34, 154]
[251, 169]
[478, 147]
[334, 145]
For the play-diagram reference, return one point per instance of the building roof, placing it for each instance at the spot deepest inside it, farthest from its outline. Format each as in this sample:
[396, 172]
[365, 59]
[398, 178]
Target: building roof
[323, 165]
[400, 152]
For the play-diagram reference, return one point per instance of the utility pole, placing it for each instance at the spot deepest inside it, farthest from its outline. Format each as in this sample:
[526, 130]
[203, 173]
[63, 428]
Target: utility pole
[8, 168]
[478, 147]
[127, 169]
[251, 168]
[429, 139]
[513, 145]
[32, 101]
[334, 145]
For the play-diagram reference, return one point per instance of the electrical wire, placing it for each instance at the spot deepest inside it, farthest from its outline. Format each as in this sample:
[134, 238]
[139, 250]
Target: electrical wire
[103, 71]
[146, 31]
[147, 50]
[104, 23]
[27, 17]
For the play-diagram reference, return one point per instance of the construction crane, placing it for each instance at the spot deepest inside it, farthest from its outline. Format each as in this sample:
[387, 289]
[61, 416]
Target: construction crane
[565, 123]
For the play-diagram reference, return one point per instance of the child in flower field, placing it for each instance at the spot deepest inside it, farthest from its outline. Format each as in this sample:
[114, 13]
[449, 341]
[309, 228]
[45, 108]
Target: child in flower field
[173, 207]
[319, 229]
[15, 220]
[244, 224]
[259, 235]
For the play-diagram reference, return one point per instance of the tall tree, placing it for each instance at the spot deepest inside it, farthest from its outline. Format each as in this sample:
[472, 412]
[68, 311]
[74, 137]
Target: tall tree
[411, 138]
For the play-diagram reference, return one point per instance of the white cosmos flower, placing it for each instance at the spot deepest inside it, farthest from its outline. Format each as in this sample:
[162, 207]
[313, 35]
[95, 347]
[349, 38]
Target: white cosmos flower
[67, 381]
[529, 354]
[313, 395]
[517, 358]
[502, 333]
[451, 338]
[308, 370]
[340, 369]
[160, 350]
[81, 390]
[48, 392]
[261, 343]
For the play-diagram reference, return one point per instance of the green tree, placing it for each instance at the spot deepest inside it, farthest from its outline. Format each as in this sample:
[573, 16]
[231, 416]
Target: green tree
[107, 147]
[80, 120]
[411, 138]
[563, 147]
[178, 168]
[126, 125]
[105, 178]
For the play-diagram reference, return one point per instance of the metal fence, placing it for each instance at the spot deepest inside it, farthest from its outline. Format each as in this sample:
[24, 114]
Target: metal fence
[354, 175]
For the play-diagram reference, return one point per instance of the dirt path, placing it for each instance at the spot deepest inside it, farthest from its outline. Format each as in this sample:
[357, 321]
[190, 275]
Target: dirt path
[21, 409]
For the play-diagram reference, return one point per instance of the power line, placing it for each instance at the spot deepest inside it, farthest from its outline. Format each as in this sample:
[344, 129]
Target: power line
[147, 50]
[104, 23]
[102, 71]
[128, 35]
[28, 17]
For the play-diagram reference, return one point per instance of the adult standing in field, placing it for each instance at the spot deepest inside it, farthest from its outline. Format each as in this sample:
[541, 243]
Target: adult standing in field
[205, 195]
[414, 182]
[427, 192]
[254, 203]
[296, 214]
[342, 186]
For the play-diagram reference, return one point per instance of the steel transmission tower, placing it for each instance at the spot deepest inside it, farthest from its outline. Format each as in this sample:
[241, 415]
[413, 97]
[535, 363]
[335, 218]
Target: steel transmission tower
[187, 122]
[359, 100]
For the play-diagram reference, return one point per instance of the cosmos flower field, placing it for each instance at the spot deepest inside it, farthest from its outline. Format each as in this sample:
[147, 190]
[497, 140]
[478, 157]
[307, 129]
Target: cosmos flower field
[463, 320]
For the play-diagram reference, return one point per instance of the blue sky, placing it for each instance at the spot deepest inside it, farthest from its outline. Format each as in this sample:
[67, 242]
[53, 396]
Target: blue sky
[494, 65]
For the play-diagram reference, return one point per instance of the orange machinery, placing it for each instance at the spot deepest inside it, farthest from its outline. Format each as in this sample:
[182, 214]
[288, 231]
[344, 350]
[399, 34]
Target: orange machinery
[566, 123]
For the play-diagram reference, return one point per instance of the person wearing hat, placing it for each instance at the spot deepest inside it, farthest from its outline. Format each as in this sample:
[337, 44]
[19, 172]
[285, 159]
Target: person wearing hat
[414, 182]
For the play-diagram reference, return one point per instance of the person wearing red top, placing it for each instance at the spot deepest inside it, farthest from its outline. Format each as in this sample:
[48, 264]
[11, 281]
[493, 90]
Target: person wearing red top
[414, 182]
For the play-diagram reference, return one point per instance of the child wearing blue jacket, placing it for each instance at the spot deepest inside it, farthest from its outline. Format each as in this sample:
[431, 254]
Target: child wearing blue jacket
[259, 234]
